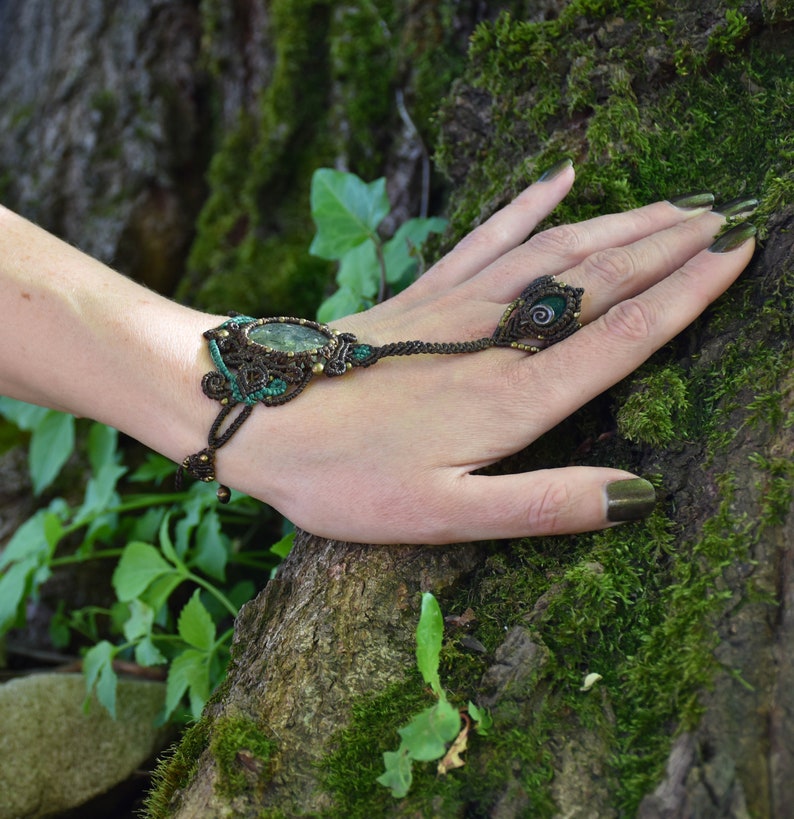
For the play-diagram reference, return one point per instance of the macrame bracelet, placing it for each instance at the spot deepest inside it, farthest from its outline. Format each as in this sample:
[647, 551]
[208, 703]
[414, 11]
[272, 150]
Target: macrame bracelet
[270, 361]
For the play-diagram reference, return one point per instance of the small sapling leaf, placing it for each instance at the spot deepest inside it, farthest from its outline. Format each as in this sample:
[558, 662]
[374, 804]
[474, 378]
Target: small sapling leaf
[429, 636]
[398, 776]
[427, 734]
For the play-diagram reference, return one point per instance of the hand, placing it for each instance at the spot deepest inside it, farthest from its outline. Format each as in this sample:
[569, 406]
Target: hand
[386, 454]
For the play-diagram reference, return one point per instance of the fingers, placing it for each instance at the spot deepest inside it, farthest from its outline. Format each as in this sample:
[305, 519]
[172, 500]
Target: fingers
[546, 502]
[613, 246]
[613, 345]
[501, 233]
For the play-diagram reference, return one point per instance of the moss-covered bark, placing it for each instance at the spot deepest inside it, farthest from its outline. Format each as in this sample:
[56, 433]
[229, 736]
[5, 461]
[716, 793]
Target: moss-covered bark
[686, 617]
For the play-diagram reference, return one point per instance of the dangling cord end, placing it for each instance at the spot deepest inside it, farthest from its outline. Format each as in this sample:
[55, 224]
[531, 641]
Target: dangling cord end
[202, 467]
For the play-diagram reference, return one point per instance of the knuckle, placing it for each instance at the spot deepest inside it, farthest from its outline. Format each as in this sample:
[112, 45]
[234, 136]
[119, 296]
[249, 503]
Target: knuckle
[630, 320]
[546, 511]
[612, 267]
[562, 240]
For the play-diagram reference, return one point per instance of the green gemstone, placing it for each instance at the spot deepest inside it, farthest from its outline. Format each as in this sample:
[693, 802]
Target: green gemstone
[555, 303]
[287, 337]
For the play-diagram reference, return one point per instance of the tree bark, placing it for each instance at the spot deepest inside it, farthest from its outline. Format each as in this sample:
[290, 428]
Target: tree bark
[337, 625]
[687, 618]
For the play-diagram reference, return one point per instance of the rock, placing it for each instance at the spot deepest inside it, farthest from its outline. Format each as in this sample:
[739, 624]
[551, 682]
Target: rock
[54, 756]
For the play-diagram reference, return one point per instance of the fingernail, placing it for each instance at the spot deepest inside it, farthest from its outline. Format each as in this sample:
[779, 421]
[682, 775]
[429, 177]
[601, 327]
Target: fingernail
[743, 206]
[733, 238]
[693, 201]
[631, 499]
[555, 170]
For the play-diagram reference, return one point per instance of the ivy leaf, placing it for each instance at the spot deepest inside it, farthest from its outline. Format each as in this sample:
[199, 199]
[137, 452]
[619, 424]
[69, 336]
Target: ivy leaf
[346, 210]
[51, 444]
[427, 734]
[429, 635]
[400, 251]
[398, 776]
[195, 625]
[344, 302]
[140, 565]
[359, 270]
[100, 676]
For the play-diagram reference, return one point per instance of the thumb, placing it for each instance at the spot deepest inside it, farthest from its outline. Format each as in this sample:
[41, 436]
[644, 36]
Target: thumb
[547, 502]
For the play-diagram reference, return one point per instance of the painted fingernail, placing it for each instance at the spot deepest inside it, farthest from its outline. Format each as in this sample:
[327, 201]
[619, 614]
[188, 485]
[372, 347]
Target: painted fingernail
[555, 170]
[693, 201]
[733, 238]
[741, 207]
[631, 499]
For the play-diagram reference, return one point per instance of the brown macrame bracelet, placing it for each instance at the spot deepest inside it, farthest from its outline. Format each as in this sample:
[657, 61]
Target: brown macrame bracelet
[270, 361]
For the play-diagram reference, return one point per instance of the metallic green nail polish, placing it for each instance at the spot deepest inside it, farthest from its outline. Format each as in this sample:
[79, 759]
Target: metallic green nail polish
[631, 499]
[743, 206]
[693, 201]
[555, 170]
[733, 238]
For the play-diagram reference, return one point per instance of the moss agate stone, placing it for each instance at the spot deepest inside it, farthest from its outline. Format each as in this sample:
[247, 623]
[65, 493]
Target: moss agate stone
[287, 337]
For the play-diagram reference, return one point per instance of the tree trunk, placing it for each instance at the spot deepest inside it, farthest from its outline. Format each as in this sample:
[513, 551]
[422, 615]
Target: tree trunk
[686, 617]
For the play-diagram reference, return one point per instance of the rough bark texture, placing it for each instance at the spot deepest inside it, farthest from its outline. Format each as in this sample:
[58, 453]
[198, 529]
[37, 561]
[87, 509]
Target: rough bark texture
[688, 617]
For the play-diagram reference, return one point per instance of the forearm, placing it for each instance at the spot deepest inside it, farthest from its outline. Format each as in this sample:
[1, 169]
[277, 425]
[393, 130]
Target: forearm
[78, 337]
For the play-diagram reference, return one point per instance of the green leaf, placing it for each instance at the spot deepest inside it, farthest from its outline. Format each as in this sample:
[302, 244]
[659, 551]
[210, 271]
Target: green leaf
[429, 636]
[100, 676]
[398, 776]
[20, 413]
[211, 550]
[427, 734]
[29, 540]
[51, 444]
[482, 719]
[15, 586]
[195, 625]
[102, 446]
[160, 590]
[346, 210]
[100, 492]
[281, 548]
[359, 270]
[155, 468]
[140, 618]
[189, 672]
[147, 653]
[343, 302]
[140, 565]
[400, 252]
[166, 544]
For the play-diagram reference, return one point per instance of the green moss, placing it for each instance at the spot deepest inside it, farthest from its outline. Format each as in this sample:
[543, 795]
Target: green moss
[241, 751]
[654, 411]
[175, 770]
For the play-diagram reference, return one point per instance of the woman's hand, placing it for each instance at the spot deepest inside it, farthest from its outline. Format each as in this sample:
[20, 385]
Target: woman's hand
[387, 454]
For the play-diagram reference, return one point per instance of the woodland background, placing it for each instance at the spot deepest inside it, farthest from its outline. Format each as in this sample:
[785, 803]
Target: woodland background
[176, 141]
